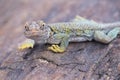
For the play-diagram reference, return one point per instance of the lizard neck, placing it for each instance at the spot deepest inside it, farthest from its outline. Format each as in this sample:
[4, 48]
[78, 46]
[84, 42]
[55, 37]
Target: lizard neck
[48, 33]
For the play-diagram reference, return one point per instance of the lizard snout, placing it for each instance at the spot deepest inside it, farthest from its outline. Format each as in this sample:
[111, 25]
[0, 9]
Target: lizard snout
[34, 32]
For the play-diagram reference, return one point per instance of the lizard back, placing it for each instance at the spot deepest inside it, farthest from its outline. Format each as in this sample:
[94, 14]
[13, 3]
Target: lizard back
[74, 26]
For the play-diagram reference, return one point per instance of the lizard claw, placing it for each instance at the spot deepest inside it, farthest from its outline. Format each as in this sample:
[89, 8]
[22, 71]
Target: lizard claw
[56, 48]
[26, 44]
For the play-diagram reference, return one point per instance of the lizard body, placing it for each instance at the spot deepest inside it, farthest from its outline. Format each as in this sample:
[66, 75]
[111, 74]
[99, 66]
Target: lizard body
[78, 30]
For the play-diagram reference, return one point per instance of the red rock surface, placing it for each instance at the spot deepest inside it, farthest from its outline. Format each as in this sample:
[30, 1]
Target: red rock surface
[81, 61]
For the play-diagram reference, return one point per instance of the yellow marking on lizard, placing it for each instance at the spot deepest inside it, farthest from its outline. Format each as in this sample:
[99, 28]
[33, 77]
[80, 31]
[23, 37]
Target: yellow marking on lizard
[66, 30]
[25, 45]
[79, 32]
[54, 29]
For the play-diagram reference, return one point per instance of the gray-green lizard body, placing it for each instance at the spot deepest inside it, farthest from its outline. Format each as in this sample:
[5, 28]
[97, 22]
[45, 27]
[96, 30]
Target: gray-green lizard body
[78, 30]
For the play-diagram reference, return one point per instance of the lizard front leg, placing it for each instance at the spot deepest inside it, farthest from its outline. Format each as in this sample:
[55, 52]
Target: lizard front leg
[106, 38]
[63, 43]
[28, 43]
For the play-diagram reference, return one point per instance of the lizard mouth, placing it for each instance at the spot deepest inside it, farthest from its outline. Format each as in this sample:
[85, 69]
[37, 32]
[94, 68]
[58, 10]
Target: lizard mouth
[31, 34]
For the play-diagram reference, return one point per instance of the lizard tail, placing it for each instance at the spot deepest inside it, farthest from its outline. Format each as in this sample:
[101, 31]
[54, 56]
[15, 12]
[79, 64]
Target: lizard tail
[111, 25]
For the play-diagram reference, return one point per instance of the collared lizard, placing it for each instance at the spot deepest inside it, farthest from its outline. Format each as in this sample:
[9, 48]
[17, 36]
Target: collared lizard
[60, 34]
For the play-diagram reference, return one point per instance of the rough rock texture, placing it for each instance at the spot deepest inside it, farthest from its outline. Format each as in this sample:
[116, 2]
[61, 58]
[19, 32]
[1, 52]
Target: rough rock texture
[81, 61]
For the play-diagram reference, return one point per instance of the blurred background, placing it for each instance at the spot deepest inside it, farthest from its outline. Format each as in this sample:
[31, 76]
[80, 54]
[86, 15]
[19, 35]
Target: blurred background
[14, 14]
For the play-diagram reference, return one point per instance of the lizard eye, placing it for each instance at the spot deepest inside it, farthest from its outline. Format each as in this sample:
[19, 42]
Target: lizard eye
[26, 28]
[43, 24]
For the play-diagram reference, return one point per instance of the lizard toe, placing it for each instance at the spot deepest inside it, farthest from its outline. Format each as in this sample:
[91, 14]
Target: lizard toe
[56, 48]
[52, 49]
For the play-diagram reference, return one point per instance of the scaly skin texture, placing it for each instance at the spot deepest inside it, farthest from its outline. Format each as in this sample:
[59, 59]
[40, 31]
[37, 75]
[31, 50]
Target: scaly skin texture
[60, 34]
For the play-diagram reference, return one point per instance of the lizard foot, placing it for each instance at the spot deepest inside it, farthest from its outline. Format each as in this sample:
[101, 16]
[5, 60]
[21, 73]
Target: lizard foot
[26, 44]
[56, 48]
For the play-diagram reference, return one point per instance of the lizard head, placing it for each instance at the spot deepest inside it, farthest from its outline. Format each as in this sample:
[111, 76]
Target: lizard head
[37, 31]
